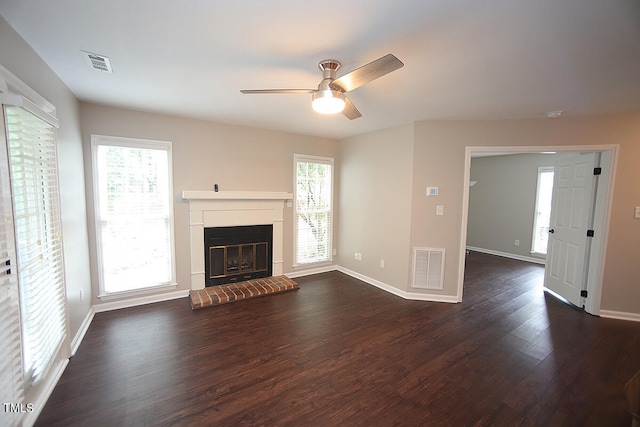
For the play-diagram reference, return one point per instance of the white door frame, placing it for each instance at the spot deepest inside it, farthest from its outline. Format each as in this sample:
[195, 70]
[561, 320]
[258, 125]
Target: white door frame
[602, 213]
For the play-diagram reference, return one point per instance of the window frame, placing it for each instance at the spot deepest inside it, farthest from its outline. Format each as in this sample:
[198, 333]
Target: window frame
[304, 158]
[105, 140]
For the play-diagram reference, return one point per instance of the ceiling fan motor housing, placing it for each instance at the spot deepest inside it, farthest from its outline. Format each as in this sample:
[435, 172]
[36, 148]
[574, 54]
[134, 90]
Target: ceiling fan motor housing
[328, 68]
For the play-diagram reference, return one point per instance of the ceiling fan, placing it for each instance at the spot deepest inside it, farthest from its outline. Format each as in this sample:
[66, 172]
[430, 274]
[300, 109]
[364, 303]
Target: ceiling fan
[330, 96]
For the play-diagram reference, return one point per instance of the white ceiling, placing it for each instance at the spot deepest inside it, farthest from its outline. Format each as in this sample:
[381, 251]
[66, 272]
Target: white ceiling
[464, 59]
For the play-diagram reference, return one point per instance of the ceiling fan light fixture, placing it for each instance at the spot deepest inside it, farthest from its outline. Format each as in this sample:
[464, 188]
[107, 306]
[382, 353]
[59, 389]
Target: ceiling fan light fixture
[328, 101]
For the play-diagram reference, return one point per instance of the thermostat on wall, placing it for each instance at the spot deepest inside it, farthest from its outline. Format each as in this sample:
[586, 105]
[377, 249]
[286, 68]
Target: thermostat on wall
[432, 191]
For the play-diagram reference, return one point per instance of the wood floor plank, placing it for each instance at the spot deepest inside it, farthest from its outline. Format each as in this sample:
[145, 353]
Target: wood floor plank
[341, 352]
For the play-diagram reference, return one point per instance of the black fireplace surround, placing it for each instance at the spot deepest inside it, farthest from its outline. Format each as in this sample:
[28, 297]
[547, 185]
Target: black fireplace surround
[235, 254]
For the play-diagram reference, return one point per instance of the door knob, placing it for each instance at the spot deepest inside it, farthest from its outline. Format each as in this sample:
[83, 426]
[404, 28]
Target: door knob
[551, 230]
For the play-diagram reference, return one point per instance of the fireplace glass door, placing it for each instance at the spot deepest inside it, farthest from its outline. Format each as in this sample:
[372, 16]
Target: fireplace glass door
[238, 259]
[234, 254]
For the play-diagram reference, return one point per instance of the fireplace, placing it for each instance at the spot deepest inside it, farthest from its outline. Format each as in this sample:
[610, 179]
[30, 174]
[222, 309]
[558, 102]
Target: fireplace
[212, 209]
[234, 254]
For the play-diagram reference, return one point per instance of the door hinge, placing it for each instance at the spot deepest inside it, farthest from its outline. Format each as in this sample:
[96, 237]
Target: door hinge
[590, 233]
[584, 294]
[597, 171]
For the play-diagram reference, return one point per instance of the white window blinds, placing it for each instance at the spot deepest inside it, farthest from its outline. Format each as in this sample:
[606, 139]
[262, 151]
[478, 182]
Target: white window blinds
[134, 213]
[11, 390]
[314, 209]
[38, 236]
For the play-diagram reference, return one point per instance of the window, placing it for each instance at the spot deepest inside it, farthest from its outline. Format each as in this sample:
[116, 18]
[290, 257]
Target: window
[543, 211]
[134, 214]
[314, 209]
[38, 239]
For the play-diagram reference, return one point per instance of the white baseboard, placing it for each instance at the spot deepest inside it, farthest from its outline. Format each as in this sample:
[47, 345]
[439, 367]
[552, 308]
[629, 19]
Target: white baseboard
[77, 339]
[610, 314]
[47, 388]
[507, 255]
[396, 291]
[133, 302]
[310, 271]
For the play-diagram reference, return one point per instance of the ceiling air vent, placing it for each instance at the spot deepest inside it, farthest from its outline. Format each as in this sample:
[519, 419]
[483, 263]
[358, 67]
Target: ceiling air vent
[98, 62]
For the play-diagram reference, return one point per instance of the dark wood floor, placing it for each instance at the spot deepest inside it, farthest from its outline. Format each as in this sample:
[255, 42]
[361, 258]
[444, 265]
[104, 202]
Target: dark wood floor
[339, 352]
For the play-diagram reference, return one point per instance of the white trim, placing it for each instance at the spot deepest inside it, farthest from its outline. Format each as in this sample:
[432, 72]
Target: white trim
[507, 255]
[311, 271]
[22, 102]
[312, 264]
[77, 339]
[9, 83]
[397, 292]
[48, 386]
[116, 141]
[297, 158]
[602, 214]
[378, 284]
[134, 302]
[199, 196]
[138, 292]
[620, 315]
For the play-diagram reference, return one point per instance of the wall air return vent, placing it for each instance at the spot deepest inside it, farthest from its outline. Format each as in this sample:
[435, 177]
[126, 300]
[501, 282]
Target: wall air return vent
[428, 268]
[98, 62]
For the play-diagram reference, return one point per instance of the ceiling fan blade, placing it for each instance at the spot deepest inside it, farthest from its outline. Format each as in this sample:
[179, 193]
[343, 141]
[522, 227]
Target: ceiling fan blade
[366, 73]
[350, 110]
[268, 91]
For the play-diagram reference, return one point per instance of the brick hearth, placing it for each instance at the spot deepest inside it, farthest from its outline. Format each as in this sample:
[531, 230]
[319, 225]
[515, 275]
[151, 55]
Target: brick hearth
[215, 295]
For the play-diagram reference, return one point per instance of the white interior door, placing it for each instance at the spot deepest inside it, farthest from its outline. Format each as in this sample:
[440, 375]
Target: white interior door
[571, 217]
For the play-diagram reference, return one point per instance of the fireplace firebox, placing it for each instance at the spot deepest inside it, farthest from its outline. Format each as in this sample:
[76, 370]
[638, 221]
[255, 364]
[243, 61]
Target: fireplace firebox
[235, 254]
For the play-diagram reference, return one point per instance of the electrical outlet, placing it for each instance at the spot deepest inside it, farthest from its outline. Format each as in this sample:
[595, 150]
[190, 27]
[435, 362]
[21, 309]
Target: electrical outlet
[516, 242]
[439, 210]
[381, 263]
[358, 256]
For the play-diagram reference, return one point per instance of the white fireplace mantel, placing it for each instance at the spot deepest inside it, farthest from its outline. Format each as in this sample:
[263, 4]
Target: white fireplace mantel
[200, 196]
[233, 208]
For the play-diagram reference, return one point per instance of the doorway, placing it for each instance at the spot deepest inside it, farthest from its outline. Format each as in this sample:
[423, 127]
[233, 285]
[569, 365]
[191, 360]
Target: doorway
[604, 190]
